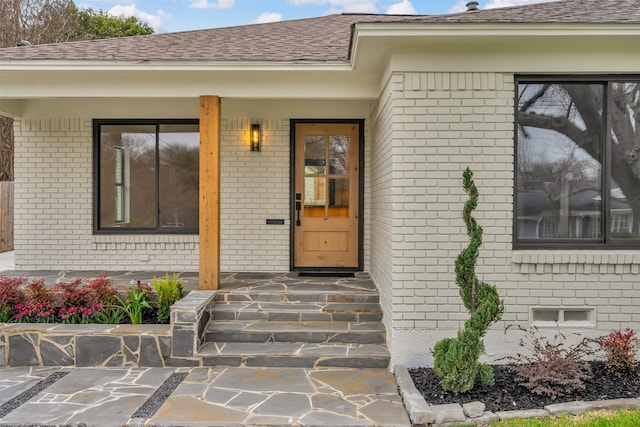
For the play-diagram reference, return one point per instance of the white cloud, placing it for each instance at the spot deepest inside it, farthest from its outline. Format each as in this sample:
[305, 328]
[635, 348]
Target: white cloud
[337, 6]
[405, 7]
[154, 21]
[205, 4]
[461, 5]
[307, 2]
[506, 3]
[268, 17]
[355, 6]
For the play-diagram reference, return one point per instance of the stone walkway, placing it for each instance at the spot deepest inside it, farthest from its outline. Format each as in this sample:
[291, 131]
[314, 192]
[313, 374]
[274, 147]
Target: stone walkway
[207, 396]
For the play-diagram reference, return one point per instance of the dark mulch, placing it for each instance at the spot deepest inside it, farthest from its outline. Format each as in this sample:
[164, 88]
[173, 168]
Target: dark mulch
[507, 395]
[151, 406]
[149, 317]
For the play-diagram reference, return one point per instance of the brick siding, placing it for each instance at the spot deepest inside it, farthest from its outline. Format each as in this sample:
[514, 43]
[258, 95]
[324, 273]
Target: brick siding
[429, 127]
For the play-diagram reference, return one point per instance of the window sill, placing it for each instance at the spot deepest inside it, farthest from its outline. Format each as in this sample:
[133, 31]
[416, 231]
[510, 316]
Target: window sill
[608, 257]
[145, 238]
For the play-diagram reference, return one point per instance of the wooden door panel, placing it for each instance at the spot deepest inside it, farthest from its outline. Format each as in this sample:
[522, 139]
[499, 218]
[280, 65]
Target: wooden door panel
[326, 241]
[327, 184]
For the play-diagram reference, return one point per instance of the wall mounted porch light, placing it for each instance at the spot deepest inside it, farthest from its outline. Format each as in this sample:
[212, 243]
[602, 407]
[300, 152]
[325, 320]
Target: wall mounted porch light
[254, 137]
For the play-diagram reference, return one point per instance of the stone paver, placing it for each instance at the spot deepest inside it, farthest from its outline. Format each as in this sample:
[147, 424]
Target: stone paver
[14, 381]
[217, 396]
[93, 396]
[253, 396]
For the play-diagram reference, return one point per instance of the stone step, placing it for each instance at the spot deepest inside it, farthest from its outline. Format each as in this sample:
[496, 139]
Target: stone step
[261, 331]
[298, 311]
[324, 296]
[299, 355]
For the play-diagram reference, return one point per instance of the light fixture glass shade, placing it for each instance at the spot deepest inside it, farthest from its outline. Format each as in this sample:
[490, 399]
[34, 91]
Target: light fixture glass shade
[254, 137]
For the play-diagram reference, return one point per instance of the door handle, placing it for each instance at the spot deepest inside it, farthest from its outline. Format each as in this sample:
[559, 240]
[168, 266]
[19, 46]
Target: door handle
[298, 208]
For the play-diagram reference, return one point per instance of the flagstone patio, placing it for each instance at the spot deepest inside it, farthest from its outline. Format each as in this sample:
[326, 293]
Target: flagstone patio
[207, 396]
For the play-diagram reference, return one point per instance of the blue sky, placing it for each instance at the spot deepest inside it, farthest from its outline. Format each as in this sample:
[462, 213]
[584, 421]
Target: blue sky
[180, 15]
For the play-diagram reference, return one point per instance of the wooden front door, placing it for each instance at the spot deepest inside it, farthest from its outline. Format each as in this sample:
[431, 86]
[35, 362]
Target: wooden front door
[326, 195]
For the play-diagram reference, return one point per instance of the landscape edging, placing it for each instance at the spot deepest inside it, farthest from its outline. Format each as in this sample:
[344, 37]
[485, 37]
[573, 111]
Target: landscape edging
[422, 413]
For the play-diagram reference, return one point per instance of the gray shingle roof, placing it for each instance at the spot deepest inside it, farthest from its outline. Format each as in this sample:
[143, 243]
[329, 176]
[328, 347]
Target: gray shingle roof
[317, 39]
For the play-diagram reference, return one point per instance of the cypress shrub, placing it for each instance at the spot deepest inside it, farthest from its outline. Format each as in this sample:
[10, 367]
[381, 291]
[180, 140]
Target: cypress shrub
[456, 360]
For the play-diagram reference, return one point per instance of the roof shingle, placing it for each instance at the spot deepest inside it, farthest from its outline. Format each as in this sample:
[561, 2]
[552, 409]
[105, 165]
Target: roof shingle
[317, 39]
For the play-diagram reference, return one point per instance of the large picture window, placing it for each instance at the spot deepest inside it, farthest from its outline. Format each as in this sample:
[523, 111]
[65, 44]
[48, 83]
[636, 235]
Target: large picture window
[146, 175]
[577, 163]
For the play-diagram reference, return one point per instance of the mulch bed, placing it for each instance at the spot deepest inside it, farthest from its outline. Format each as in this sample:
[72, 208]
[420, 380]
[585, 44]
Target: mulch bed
[507, 395]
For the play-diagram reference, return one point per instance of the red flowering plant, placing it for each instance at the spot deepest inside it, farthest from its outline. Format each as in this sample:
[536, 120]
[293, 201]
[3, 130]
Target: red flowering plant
[75, 314]
[621, 348]
[77, 301]
[105, 295]
[74, 294]
[10, 296]
[36, 313]
[102, 290]
[39, 306]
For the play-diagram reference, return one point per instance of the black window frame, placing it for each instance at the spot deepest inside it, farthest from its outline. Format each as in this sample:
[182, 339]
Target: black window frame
[97, 124]
[606, 242]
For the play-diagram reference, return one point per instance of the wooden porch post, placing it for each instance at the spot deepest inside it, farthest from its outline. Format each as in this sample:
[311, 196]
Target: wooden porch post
[209, 192]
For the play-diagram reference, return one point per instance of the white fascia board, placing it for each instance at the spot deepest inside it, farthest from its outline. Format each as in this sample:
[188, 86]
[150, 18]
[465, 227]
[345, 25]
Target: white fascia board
[90, 65]
[21, 84]
[41, 78]
[418, 29]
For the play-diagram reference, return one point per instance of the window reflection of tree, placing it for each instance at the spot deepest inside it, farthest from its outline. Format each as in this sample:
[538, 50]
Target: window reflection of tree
[576, 112]
[320, 151]
[339, 155]
[178, 185]
[177, 178]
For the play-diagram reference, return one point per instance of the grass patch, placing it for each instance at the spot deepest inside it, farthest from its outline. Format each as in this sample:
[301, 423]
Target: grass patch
[622, 418]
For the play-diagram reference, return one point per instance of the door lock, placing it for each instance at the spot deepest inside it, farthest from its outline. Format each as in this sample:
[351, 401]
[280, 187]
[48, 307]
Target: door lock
[298, 208]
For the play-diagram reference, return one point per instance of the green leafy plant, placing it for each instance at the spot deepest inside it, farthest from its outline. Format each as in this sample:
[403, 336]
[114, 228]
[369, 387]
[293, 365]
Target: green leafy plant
[551, 367]
[168, 290]
[135, 304]
[456, 360]
[621, 348]
[111, 314]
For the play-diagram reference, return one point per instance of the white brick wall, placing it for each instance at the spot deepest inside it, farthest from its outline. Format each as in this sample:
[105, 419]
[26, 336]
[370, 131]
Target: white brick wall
[54, 191]
[255, 187]
[53, 207]
[425, 129]
[382, 200]
[431, 128]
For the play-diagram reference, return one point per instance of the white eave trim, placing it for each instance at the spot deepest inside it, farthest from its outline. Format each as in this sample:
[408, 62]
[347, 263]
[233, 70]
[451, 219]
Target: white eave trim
[443, 29]
[118, 65]
[478, 33]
